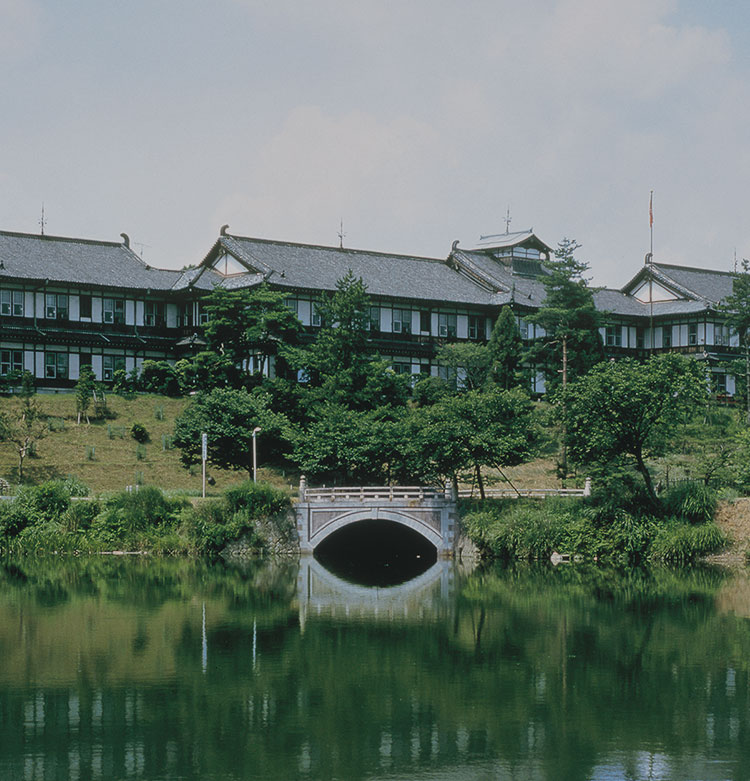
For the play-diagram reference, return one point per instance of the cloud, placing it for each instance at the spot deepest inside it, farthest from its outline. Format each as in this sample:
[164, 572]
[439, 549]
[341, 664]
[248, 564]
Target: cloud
[19, 22]
[320, 167]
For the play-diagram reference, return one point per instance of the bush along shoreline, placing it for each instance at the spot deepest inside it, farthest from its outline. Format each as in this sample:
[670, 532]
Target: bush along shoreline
[616, 524]
[60, 517]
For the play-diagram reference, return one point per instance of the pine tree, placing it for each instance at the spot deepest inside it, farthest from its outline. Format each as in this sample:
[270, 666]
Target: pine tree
[504, 351]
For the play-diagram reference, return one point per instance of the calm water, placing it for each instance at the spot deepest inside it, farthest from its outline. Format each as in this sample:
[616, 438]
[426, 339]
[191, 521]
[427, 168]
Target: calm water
[143, 669]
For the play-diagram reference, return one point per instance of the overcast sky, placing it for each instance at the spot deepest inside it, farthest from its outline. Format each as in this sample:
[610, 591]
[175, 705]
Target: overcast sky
[416, 122]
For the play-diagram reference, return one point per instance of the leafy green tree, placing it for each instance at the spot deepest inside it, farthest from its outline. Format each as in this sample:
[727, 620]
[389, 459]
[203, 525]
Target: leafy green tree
[247, 324]
[467, 360]
[207, 370]
[159, 377]
[504, 351]
[341, 364]
[626, 411]
[468, 431]
[228, 416]
[341, 445]
[736, 309]
[84, 391]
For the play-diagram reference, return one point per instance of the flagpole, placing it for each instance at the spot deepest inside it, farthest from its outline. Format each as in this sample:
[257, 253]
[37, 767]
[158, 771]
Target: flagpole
[651, 222]
[651, 271]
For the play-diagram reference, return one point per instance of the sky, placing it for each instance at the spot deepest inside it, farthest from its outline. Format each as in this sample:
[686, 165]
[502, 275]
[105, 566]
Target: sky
[412, 122]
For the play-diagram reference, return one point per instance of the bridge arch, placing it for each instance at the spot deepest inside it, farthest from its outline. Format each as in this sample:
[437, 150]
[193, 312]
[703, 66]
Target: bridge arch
[429, 512]
[347, 518]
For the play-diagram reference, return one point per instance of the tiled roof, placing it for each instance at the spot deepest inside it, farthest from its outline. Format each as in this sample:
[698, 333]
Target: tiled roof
[312, 267]
[26, 256]
[704, 283]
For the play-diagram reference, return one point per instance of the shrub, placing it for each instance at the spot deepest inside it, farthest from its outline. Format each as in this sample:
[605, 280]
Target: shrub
[75, 486]
[680, 543]
[257, 499]
[80, 515]
[139, 433]
[695, 502]
[129, 513]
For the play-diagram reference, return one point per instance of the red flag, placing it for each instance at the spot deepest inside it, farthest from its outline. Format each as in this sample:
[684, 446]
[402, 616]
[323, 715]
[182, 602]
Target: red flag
[651, 210]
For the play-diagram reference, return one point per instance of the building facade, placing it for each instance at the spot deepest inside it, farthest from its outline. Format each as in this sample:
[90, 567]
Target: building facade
[69, 302]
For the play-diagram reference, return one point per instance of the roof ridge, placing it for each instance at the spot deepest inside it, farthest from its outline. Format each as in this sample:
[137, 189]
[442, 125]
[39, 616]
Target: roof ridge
[348, 250]
[694, 268]
[68, 239]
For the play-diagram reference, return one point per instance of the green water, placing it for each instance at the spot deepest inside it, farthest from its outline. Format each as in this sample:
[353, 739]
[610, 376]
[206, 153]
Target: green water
[115, 668]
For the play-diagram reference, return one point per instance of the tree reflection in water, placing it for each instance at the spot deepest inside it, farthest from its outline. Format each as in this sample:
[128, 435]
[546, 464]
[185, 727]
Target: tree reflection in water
[571, 673]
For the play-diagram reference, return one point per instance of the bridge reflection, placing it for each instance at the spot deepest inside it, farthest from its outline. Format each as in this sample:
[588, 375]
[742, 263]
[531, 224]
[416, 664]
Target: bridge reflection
[430, 595]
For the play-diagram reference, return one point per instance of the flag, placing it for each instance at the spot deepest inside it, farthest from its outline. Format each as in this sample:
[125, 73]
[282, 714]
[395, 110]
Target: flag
[651, 210]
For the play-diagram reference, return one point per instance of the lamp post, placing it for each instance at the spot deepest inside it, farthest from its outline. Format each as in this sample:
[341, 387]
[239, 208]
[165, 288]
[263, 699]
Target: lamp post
[256, 431]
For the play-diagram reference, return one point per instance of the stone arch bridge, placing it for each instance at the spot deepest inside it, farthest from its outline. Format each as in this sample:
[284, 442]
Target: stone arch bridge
[428, 511]
[431, 512]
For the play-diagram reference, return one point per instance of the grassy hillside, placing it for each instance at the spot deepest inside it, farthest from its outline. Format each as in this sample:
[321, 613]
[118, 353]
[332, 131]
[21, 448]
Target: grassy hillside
[104, 454]
[106, 457]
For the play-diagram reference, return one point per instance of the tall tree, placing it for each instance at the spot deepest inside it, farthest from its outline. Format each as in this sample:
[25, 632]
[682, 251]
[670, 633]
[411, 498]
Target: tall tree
[625, 410]
[736, 309]
[250, 323]
[228, 416]
[341, 364]
[504, 351]
[571, 344]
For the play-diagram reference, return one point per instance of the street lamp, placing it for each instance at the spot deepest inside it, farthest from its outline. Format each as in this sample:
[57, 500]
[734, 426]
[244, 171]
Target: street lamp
[256, 431]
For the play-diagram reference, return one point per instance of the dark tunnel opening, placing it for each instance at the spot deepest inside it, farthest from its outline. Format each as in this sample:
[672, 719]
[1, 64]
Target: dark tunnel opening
[376, 553]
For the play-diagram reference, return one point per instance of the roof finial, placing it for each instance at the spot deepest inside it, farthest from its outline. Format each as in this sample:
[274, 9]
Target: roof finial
[42, 220]
[224, 229]
[341, 234]
[507, 221]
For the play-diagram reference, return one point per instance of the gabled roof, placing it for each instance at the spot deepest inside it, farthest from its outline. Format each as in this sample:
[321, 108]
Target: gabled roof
[504, 240]
[312, 267]
[31, 257]
[688, 284]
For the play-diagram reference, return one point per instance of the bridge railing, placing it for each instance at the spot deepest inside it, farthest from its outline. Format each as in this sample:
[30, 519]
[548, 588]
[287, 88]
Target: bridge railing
[510, 493]
[372, 493]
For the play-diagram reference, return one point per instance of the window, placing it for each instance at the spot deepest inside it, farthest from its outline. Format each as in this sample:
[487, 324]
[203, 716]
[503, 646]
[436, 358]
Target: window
[720, 383]
[373, 319]
[11, 302]
[84, 359]
[154, 314]
[447, 326]
[316, 319]
[474, 327]
[401, 321]
[11, 361]
[614, 336]
[56, 366]
[721, 335]
[110, 364]
[640, 339]
[84, 307]
[56, 306]
[523, 327]
[425, 321]
[401, 367]
[692, 333]
[185, 315]
[666, 338]
[113, 310]
[293, 304]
